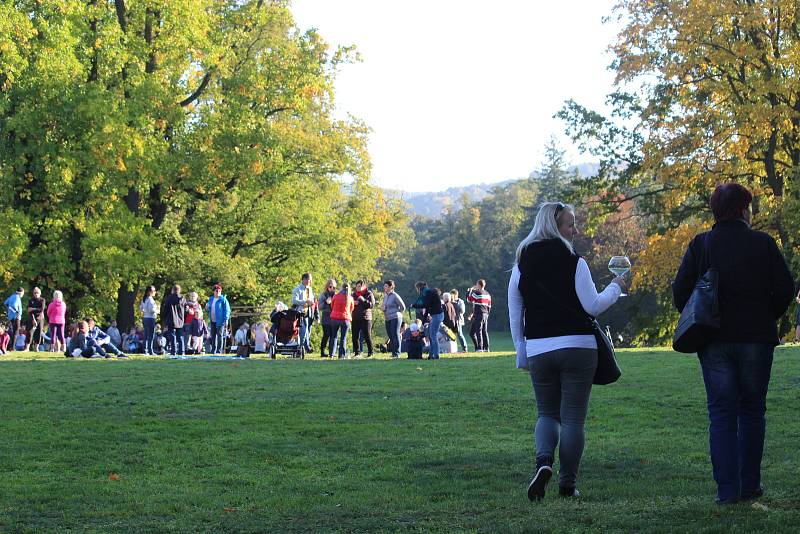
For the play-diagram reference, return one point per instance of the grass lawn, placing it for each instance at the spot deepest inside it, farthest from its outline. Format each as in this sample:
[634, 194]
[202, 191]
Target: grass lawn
[370, 445]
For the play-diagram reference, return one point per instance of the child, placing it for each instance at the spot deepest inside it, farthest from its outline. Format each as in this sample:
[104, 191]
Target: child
[4, 339]
[20, 341]
[197, 331]
[416, 340]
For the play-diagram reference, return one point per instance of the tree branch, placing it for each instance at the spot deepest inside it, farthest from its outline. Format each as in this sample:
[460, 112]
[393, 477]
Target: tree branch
[197, 92]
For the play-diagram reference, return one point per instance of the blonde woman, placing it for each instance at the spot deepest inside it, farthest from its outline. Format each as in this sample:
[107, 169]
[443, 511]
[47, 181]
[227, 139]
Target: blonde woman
[555, 344]
[56, 318]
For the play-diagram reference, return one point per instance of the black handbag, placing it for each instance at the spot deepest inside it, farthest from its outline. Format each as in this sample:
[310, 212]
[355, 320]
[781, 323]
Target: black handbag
[607, 371]
[700, 318]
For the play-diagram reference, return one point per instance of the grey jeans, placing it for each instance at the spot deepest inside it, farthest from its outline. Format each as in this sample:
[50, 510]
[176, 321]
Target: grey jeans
[562, 382]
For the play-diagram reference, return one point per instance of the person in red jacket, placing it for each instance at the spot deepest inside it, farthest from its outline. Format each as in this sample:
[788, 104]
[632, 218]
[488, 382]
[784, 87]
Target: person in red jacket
[342, 305]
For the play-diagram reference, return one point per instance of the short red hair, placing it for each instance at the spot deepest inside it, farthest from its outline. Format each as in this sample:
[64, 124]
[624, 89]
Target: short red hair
[729, 200]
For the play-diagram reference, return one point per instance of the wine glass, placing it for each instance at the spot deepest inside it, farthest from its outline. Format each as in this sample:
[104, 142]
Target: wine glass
[619, 266]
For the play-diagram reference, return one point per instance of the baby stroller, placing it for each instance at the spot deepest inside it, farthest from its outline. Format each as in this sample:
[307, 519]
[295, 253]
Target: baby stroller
[285, 334]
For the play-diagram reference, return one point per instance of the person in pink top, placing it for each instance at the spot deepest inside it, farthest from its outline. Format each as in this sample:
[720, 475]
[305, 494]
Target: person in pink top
[56, 317]
[342, 305]
[4, 339]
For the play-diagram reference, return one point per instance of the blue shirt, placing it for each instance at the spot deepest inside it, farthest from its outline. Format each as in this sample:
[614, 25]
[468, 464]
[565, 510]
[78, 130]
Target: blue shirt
[14, 306]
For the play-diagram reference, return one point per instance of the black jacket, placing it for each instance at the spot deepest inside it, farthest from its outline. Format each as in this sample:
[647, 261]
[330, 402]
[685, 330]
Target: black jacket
[362, 311]
[755, 285]
[547, 284]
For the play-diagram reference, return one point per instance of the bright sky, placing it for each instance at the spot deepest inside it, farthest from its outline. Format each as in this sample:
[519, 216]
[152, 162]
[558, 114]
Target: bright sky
[460, 92]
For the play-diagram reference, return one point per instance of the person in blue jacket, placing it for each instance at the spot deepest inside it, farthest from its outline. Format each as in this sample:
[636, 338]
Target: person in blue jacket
[219, 311]
[14, 309]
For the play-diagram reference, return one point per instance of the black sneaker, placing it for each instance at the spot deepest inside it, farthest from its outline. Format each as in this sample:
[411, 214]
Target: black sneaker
[568, 492]
[539, 483]
[758, 493]
[122, 355]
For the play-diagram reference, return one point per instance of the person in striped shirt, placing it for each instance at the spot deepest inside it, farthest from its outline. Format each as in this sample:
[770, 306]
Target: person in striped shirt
[481, 306]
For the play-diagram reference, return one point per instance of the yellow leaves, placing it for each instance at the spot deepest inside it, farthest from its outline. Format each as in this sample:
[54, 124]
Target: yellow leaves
[256, 167]
[113, 476]
[121, 164]
[659, 261]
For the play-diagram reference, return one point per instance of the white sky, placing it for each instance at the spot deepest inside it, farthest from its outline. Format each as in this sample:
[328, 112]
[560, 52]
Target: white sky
[463, 91]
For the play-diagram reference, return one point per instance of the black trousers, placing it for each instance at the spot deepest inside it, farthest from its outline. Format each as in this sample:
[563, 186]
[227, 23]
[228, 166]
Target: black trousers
[326, 337]
[479, 332]
[362, 327]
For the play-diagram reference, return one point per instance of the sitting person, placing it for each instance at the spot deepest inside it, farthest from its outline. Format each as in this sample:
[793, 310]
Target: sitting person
[4, 339]
[20, 341]
[103, 339]
[130, 342]
[81, 345]
[405, 333]
[416, 340]
[275, 317]
[261, 338]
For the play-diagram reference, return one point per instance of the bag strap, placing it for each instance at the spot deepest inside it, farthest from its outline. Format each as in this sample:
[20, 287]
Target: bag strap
[705, 255]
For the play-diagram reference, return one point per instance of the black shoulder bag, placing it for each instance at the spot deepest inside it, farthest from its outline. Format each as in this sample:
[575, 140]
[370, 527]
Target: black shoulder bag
[700, 318]
[608, 370]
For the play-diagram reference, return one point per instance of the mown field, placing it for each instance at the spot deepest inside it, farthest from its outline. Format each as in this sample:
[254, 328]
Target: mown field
[364, 446]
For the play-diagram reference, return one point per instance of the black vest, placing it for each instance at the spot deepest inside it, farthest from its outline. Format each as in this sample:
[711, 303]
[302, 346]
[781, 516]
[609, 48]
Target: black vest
[551, 265]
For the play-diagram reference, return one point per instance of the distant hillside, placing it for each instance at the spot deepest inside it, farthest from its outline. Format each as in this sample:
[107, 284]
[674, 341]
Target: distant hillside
[432, 205]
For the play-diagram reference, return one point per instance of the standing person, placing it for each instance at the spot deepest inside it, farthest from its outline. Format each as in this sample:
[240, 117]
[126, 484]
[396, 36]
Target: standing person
[20, 341]
[755, 289]
[193, 310]
[362, 318]
[14, 310]
[36, 307]
[56, 319]
[450, 313]
[198, 332]
[175, 306]
[393, 308]
[481, 306]
[261, 338]
[149, 309]
[461, 309]
[219, 311]
[342, 306]
[303, 302]
[325, 299]
[549, 292]
[431, 305]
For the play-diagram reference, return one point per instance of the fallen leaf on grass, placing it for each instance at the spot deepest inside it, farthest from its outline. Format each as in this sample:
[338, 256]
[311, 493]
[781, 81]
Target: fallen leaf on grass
[759, 506]
[113, 476]
[419, 368]
[229, 510]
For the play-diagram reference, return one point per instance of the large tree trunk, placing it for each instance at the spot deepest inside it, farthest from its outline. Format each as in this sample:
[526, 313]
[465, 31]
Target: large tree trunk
[126, 306]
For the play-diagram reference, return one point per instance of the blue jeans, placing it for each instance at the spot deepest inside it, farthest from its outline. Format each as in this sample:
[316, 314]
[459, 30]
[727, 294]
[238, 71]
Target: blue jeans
[562, 382]
[436, 322]
[175, 337]
[393, 331]
[305, 332]
[462, 341]
[336, 327]
[149, 324]
[736, 376]
[217, 338]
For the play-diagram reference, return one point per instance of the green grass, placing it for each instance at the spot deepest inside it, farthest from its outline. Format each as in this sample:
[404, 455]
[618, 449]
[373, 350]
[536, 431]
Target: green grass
[380, 445]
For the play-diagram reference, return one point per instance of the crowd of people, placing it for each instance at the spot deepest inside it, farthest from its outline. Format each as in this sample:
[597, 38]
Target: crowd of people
[182, 325]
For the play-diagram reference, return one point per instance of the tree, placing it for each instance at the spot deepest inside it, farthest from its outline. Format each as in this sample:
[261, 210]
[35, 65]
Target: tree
[177, 140]
[707, 93]
[554, 176]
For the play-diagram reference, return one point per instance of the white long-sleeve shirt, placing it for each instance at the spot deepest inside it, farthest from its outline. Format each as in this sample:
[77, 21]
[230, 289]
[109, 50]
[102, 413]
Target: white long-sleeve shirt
[593, 302]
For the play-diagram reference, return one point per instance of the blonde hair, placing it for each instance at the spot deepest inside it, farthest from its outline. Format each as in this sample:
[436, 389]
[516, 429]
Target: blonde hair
[58, 295]
[546, 226]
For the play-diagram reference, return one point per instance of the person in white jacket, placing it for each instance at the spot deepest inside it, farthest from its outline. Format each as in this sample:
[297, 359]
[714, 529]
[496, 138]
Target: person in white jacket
[550, 296]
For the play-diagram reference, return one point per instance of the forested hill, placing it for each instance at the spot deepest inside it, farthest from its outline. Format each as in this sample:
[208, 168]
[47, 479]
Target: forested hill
[433, 204]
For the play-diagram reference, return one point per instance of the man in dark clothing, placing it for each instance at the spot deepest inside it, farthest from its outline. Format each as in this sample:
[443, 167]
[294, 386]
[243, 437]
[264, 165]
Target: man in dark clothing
[174, 315]
[36, 307]
[481, 306]
[362, 318]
